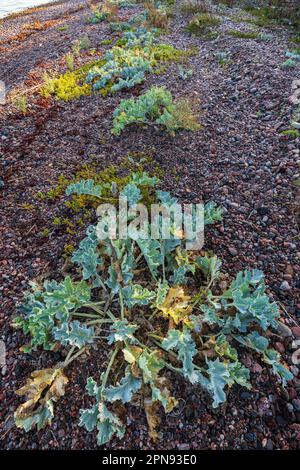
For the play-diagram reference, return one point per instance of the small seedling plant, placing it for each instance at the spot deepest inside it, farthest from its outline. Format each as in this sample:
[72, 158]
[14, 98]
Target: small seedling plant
[151, 307]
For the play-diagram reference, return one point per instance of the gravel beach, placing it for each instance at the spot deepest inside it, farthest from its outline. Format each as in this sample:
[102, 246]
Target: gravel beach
[238, 158]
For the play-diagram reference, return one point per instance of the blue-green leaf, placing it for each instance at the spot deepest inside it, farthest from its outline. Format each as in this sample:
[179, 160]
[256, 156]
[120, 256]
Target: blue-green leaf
[218, 379]
[137, 295]
[143, 179]
[74, 334]
[272, 357]
[212, 213]
[89, 418]
[108, 424]
[184, 344]
[126, 388]
[132, 193]
[152, 254]
[121, 330]
[85, 187]
[210, 266]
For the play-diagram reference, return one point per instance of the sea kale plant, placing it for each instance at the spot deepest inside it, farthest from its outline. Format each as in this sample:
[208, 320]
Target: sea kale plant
[126, 65]
[124, 68]
[152, 310]
[155, 107]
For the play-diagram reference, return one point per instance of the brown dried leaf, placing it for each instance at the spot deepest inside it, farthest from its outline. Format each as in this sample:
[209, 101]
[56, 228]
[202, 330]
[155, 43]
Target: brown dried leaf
[41, 390]
[151, 410]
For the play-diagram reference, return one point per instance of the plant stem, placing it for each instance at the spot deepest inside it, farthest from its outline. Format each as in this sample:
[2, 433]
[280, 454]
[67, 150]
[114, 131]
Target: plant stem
[94, 322]
[96, 310]
[111, 316]
[155, 336]
[70, 354]
[68, 362]
[121, 305]
[111, 361]
[88, 315]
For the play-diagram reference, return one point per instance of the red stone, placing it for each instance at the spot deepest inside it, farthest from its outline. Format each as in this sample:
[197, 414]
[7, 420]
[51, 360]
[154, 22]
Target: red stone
[296, 331]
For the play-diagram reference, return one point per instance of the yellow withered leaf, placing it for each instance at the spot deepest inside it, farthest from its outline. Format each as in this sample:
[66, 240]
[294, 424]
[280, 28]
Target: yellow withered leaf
[42, 389]
[176, 305]
[132, 353]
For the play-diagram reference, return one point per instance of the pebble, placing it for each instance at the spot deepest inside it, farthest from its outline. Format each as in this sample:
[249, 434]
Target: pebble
[281, 421]
[296, 404]
[296, 331]
[285, 286]
[284, 330]
[183, 446]
[246, 396]
[257, 368]
[279, 347]
[232, 250]
[269, 445]
[250, 436]
[290, 407]
[270, 105]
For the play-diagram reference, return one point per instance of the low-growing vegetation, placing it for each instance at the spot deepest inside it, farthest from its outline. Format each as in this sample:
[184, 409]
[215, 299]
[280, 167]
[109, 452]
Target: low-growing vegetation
[191, 7]
[242, 34]
[155, 107]
[150, 325]
[152, 313]
[202, 24]
[123, 66]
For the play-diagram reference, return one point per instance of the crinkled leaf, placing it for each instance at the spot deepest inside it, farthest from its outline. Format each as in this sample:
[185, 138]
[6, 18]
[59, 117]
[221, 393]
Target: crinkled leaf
[125, 389]
[212, 213]
[161, 293]
[92, 387]
[89, 418]
[152, 254]
[218, 379]
[179, 276]
[55, 301]
[248, 296]
[88, 257]
[224, 349]
[176, 305]
[113, 282]
[108, 424]
[254, 341]
[238, 374]
[85, 187]
[132, 193]
[183, 343]
[128, 265]
[272, 357]
[137, 295]
[161, 393]
[150, 365]
[132, 353]
[143, 179]
[210, 315]
[210, 266]
[74, 334]
[121, 330]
